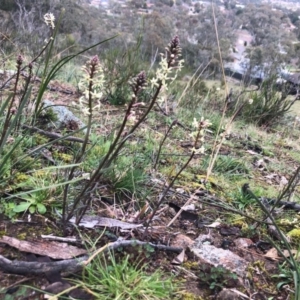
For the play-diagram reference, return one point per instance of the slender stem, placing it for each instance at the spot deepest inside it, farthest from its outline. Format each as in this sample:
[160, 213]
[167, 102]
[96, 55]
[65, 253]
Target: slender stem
[24, 94]
[120, 146]
[9, 79]
[162, 197]
[162, 142]
[9, 113]
[79, 158]
[95, 177]
[85, 192]
[201, 126]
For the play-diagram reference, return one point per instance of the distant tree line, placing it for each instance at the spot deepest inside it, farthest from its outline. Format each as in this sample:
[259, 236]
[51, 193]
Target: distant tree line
[82, 25]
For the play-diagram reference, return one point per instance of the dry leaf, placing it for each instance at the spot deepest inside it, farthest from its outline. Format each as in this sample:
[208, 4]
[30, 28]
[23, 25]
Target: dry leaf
[179, 259]
[272, 254]
[214, 224]
[52, 249]
[96, 221]
[294, 252]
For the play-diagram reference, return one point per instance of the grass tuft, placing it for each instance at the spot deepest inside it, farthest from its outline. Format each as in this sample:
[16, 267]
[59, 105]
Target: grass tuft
[109, 279]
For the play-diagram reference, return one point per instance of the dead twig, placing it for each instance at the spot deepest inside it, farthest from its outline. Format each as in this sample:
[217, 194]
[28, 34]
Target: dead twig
[53, 135]
[71, 265]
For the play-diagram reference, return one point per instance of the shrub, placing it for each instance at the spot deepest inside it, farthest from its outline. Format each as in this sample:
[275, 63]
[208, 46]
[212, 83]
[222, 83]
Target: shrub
[266, 106]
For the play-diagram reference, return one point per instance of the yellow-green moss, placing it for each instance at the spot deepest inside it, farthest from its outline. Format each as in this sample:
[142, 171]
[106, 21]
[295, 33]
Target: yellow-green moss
[97, 150]
[22, 236]
[21, 177]
[239, 221]
[190, 296]
[294, 235]
[40, 173]
[40, 139]
[288, 222]
[191, 265]
[63, 156]
[27, 163]
[252, 271]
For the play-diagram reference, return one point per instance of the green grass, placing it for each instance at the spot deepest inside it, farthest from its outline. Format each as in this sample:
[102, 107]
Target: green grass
[108, 279]
[228, 166]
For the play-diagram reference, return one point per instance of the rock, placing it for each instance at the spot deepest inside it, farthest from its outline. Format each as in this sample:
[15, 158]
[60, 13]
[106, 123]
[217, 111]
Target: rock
[57, 287]
[230, 230]
[65, 118]
[204, 239]
[226, 294]
[214, 256]
[243, 242]
[182, 241]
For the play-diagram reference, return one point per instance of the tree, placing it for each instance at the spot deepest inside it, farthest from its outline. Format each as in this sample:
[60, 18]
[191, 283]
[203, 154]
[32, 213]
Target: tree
[154, 40]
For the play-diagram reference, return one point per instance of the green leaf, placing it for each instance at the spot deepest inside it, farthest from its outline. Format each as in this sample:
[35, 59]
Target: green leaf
[32, 209]
[212, 285]
[23, 206]
[41, 208]
[282, 283]
[21, 194]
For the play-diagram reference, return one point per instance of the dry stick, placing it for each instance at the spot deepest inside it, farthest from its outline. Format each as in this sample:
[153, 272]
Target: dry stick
[122, 243]
[215, 154]
[71, 265]
[196, 193]
[61, 239]
[53, 135]
[187, 86]
[192, 197]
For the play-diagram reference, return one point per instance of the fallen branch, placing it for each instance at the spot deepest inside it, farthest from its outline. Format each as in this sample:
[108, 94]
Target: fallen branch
[286, 205]
[61, 239]
[53, 135]
[38, 268]
[70, 265]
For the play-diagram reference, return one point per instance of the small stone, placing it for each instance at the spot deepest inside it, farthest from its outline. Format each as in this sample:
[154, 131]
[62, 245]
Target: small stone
[226, 294]
[57, 287]
[230, 230]
[243, 242]
[182, 241]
